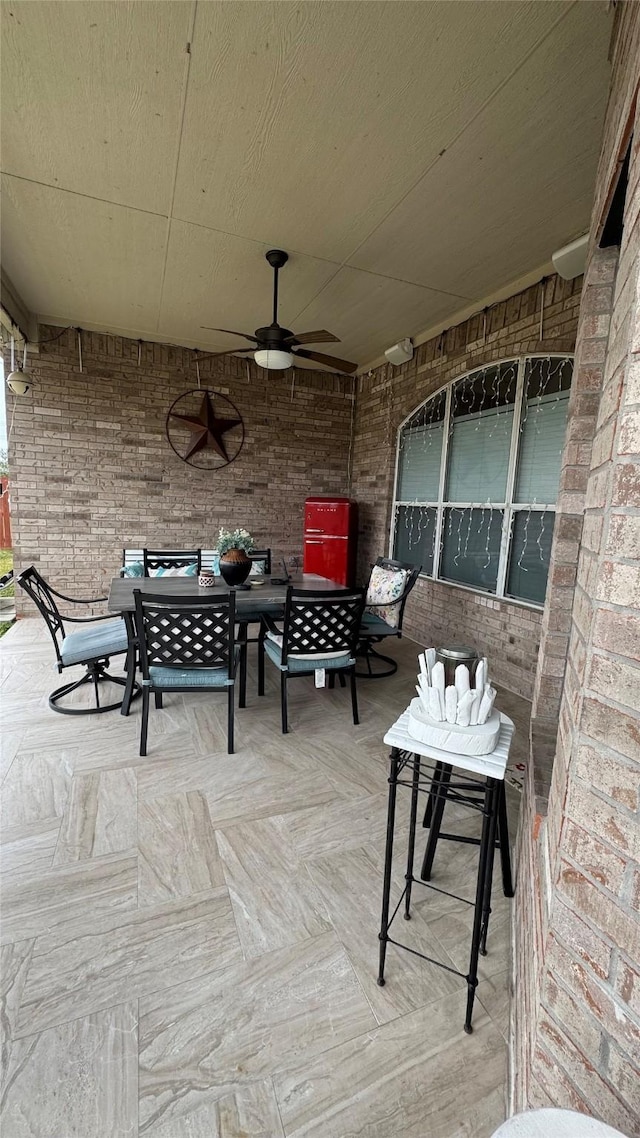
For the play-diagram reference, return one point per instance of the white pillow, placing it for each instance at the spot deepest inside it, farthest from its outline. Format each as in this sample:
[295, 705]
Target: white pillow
[385, 586]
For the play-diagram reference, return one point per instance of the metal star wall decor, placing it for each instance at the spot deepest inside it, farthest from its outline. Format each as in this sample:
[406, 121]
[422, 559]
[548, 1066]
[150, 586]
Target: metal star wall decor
[201, 437]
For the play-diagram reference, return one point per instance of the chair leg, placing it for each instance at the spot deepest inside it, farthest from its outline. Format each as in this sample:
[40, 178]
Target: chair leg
[332, 681]
[283, 703]
[159, 700]
[354, 696]
[230, 721]
[343, 682]
[145, 720]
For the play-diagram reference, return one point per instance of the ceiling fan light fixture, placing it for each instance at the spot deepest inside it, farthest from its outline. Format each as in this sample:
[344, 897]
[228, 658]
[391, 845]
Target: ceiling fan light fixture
[273, 358]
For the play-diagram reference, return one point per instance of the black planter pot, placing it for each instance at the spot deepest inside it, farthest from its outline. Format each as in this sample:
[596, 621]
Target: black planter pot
[235, 566]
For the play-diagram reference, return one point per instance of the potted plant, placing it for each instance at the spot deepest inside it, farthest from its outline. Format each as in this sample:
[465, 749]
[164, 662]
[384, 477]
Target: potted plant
[233, 546]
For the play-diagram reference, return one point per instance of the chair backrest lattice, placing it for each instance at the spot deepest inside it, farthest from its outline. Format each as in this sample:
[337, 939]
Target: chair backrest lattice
[170, 559]
[43, 597]
[179, 632]
[320, 624]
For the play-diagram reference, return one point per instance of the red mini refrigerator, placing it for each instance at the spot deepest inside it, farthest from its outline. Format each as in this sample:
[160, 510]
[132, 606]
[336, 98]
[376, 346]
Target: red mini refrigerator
[330, 537]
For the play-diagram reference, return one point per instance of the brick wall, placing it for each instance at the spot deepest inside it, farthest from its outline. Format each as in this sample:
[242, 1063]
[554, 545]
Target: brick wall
[92, 470]
[507, 632]
[577, 942]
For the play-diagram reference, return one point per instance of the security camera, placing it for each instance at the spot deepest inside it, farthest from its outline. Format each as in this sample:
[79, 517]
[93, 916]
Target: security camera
[19, 382]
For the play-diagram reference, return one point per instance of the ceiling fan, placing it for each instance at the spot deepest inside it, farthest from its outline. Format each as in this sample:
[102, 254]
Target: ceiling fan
[277, 347]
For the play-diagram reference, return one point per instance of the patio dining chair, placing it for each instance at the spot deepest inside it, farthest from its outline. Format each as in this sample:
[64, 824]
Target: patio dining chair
[92, 646]
[186, 644]
[320, 633]
[389, 586]
[171, 562]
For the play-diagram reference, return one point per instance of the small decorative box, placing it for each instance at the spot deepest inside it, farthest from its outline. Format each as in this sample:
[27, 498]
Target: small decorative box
[206, 580]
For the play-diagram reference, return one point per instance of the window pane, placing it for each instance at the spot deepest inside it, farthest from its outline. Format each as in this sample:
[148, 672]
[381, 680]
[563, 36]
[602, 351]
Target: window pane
[482, 407]
[530, 553]
[420, 451]
[419, 464]
[471, 547]
[542, 434]
[415, 536]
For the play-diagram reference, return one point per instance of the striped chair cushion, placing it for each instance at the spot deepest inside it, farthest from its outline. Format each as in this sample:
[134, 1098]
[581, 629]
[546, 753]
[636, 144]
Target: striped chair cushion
[189, 677]
[106, 638]
[306, 663]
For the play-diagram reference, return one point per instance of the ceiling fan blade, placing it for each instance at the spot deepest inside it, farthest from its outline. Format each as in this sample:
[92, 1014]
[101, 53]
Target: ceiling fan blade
[229, 352]
[244, 335]
[331, 361]
[319, 337]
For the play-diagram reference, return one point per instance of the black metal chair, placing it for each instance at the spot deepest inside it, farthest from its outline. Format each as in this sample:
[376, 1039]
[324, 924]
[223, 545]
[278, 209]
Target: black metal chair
[262, 555]
[186, 645]
[92, 646]
[375, 628]
[158, 559]
[320, 632]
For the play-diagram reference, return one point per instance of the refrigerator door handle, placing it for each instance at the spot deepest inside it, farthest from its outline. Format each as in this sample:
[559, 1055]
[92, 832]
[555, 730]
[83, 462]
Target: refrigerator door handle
[311, 530]
[312, 541]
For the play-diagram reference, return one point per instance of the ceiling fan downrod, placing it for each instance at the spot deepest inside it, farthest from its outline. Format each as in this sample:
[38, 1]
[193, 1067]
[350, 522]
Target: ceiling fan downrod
[276, 258]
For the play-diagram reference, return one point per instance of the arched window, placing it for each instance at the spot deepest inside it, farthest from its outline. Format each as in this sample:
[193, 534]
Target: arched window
[477, 477]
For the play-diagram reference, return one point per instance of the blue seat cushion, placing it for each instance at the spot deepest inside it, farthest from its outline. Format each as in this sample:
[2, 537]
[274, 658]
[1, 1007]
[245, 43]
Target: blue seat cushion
[189, 677]
[373, 625]
[274, 652]
[104, 638]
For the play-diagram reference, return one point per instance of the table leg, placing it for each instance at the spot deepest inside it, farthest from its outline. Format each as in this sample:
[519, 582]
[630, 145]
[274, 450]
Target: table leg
[388, 860]
[408, 877]
[486, 904]
[436, 822]
[487, 841]
[503, 834]
[244, 651]
[435, 779]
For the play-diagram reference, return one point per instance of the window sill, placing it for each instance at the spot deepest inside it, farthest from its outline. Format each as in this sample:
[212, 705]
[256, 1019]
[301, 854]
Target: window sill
[531, 606]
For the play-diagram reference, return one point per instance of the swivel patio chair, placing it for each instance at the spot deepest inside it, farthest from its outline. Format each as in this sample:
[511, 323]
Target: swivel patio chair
[389, 586]
[320, 632]
[92, 646]
[186, 644]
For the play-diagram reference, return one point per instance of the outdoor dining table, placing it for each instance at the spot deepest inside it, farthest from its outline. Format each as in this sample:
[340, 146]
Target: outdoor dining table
[265, 598]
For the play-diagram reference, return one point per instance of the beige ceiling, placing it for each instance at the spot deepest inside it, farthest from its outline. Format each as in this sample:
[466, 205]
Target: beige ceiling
[413, 158]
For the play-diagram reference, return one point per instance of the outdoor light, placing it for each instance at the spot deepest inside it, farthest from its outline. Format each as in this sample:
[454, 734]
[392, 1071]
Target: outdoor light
[19, 382]
[273, 359]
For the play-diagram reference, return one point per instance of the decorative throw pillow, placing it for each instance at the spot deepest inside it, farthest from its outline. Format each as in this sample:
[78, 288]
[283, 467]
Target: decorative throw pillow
[175, 571]
[135, 569]
[386, 586]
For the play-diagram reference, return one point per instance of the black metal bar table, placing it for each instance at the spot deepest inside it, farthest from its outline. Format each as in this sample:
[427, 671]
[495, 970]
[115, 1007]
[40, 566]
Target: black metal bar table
[476, 782]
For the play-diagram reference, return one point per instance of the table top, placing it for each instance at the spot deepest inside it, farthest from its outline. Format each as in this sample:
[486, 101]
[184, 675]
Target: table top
[265, 598]
[492, 765]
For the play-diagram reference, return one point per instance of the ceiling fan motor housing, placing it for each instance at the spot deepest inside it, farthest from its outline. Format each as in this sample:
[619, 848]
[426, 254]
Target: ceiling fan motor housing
[274, 336]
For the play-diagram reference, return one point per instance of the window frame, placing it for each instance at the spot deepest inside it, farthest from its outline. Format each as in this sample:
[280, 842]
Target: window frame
[509, 506]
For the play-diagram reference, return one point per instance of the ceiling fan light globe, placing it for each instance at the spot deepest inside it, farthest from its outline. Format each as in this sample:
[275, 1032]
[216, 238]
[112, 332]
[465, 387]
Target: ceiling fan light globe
[273, 359]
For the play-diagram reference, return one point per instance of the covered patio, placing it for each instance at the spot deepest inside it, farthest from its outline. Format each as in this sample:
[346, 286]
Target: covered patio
[190, 936]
